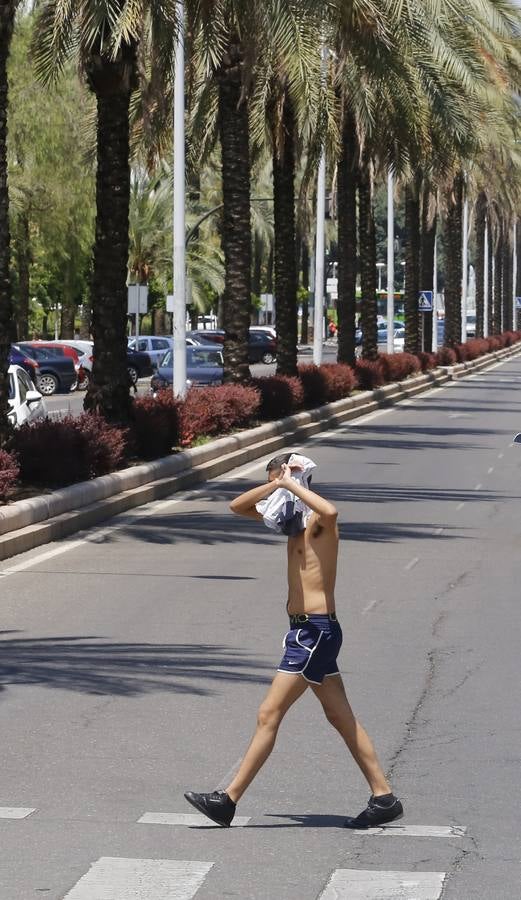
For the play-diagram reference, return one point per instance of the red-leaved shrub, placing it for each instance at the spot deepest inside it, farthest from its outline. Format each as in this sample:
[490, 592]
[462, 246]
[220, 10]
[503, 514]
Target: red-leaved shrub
[369, 374]
[314, 384]
[462, 352]
[427, 360]
[156, 426]
[494, 344]
[280, 395]
[55, 452]
[216, 410]
[9, 471]
[446, 356]
[340, 381]
[397, 366]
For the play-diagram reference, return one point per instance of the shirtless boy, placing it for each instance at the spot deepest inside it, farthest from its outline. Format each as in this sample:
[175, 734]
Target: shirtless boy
[311, 647]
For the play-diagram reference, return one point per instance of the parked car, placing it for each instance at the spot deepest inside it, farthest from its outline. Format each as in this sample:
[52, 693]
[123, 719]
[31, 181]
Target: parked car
[139, 364]
[265, 329]
[64, 350]
[155, 345]
[26, 403]
[197, 338]
[50, 371]
[381, 327]
[261, 347]
[82, 349]
[204, 365]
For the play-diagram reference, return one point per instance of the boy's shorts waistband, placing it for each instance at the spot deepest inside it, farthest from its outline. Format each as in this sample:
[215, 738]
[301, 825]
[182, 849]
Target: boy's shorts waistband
[317, 619]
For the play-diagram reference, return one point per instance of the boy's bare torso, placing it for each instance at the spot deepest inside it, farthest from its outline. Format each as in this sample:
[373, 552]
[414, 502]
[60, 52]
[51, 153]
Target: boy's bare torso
[312, 565]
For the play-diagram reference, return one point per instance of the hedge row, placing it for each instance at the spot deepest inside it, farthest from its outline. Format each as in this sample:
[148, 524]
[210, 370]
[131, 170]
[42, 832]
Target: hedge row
[54, 452]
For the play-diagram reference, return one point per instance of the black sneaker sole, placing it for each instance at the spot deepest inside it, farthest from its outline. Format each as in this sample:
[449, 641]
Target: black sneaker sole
[351, 823]
[202, 809]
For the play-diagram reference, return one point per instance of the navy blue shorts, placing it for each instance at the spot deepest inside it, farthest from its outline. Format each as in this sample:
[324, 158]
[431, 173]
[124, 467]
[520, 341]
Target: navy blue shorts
[311, 648]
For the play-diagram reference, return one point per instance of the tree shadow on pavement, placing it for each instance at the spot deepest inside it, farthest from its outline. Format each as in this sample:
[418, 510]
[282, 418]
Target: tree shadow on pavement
[396, 493]
[92, 665]
[415, 437]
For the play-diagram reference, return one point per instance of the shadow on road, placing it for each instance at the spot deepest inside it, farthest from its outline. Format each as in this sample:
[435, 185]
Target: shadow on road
[91, 665]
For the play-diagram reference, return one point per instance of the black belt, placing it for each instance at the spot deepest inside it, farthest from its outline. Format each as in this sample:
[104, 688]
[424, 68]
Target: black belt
[301, 618]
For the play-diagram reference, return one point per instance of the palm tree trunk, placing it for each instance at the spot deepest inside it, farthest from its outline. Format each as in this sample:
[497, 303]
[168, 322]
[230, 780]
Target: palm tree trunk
[412, 265]
[507, 280]
[236, 228]
[490, 298]
[481, 224]
[347, 241]
[109, 386]
[7, 11]
[498, 282]
[22, 262]
[305, 302]
[429, 223]
[454, 262]
[285, 241]
[368, 259]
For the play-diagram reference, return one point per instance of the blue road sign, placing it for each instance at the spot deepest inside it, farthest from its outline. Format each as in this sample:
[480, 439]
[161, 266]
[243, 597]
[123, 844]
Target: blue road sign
[518, 302]
[425, 301]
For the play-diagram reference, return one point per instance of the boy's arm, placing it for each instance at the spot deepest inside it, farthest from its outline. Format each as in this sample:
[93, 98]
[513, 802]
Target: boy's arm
[244, 504]
[326, 512]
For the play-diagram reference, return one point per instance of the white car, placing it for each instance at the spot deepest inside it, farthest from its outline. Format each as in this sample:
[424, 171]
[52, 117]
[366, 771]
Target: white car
[26, 402]
[265, 329]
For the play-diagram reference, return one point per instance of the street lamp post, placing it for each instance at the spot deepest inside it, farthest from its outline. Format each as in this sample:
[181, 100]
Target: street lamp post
[179, 257]
[465, 278]
[390, 262]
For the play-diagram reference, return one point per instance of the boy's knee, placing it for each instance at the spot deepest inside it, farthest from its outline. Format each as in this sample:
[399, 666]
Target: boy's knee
[269, 716]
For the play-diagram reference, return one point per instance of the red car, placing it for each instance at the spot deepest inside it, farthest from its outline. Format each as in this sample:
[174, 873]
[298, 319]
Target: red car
[62, 350]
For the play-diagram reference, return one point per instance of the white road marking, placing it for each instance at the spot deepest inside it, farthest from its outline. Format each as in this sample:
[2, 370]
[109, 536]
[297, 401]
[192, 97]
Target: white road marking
[489, 471]
[500, 455]
[15, 812]
[438, 530]
[420, 830]
[113, 878]
[460, 506]
[411, 564]
[189, 820]
[478, 487]
[369, 607]
[361, 884]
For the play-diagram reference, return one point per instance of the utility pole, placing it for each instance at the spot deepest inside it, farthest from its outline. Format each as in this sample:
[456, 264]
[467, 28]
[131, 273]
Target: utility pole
[390, 262]
[179, 256]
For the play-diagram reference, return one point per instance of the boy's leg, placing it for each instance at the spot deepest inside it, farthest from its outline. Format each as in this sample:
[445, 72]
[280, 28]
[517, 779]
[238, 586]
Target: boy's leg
[284, 691]
[332, 696]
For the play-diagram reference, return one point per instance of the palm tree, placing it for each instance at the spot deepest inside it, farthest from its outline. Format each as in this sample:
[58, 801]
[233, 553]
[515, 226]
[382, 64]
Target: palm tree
[7, 14]
[109, 66]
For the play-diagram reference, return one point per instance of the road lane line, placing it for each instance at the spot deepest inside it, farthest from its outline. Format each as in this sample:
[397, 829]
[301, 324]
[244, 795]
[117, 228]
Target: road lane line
[112, 878]
[460, 506]
[411, 564]
[478, 487]
[361, 884]
[489, 471]
[438, 530]
[15, 812]
[500, 455]
[188, 820]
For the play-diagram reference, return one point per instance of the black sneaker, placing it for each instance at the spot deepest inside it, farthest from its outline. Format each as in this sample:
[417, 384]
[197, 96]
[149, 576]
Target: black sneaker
[376, 814]
[217, 806]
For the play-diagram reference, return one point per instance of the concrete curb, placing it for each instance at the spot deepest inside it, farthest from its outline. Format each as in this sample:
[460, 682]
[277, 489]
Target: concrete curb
[30, 523]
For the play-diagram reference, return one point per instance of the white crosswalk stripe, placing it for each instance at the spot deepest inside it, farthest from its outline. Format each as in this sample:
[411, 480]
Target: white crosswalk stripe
[189, 820]
[360, 884]
[112, 878]
[419, 830]
[15, 812]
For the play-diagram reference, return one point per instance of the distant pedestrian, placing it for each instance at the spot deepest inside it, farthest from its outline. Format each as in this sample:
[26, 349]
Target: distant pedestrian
[287, 505]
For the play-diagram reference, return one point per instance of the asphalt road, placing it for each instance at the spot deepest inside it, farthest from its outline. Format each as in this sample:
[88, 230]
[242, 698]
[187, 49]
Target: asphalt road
[133, 658]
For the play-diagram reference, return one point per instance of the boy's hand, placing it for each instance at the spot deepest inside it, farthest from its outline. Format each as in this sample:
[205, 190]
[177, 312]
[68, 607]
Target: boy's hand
[285, 480]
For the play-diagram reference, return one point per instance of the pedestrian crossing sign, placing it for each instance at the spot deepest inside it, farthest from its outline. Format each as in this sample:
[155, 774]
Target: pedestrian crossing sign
[425, 301]
[518, 302]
